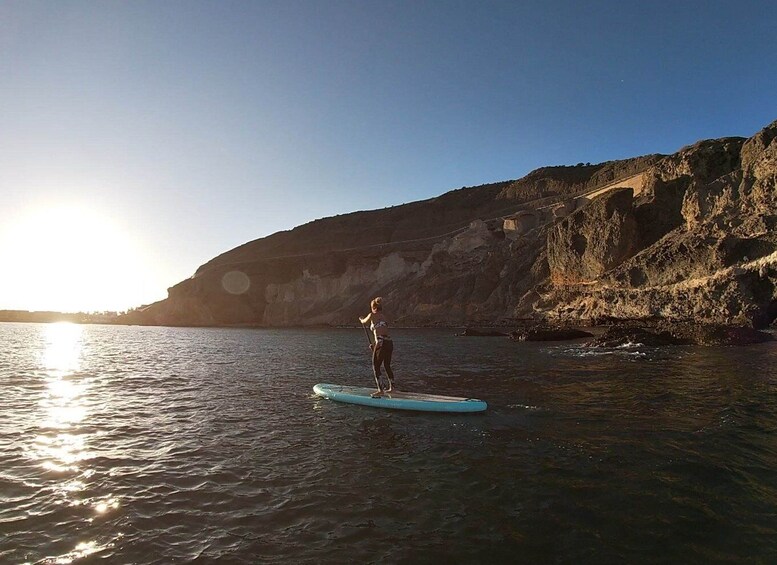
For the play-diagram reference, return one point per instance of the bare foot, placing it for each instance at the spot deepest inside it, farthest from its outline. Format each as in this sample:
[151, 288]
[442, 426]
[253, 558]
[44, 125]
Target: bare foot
[377, 394]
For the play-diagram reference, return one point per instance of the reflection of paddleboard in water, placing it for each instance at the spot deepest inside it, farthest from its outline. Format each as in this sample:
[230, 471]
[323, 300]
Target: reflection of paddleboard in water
[399, 400]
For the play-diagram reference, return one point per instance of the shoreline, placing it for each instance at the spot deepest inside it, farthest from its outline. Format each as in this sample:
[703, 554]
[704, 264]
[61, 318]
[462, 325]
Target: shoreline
[655, 332]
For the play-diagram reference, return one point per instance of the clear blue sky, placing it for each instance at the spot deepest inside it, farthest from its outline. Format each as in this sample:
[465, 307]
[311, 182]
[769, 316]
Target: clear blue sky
[193, 127]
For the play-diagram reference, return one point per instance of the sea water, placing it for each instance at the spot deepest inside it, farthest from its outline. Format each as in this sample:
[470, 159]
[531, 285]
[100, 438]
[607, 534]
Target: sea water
[176, 445]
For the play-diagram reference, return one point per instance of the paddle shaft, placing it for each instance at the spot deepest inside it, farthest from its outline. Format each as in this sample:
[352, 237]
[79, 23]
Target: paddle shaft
[366, 331]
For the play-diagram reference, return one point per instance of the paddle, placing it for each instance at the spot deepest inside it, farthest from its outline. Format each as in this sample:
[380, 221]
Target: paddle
[369, 339]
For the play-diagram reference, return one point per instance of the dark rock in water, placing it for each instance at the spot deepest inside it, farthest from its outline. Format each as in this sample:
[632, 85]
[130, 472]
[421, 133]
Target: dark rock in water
[619, 336]
[722, 335]
[548, 334]
[470, 332]
[683, 333]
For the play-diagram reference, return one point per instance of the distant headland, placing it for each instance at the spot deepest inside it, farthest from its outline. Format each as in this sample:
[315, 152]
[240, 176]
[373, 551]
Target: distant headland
[687, 237]
[52, 317]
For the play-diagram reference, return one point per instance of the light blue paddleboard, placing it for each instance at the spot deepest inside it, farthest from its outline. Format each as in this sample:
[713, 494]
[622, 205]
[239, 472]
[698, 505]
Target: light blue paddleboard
[399, 400]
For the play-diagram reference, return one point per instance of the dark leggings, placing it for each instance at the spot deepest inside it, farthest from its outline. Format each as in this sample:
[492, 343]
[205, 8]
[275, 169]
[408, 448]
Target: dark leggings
[381, 355]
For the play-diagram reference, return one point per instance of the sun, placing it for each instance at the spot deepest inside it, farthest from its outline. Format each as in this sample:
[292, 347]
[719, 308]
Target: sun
[72, 259]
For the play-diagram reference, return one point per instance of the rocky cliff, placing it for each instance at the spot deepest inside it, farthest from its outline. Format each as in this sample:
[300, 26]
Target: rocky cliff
[683, 236]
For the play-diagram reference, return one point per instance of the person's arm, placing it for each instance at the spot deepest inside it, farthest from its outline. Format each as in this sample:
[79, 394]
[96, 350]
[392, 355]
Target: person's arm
[366, 318]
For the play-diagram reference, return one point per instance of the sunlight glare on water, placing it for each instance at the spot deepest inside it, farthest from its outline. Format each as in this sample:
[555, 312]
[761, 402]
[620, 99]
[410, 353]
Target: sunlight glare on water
[62, 354]
[61, 446]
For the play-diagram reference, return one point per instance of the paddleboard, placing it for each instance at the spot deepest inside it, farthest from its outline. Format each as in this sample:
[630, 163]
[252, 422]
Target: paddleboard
[399, 400]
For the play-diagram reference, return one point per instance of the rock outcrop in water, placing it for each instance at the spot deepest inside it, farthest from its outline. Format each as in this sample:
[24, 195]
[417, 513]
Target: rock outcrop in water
[658, 333]
[688, 236]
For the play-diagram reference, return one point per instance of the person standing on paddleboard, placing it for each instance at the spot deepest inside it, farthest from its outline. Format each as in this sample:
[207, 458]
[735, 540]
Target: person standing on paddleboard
[383, 346]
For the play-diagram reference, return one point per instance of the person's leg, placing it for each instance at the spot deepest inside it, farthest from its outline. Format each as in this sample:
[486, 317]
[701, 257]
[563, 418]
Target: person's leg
[388, 347]
[377, 359]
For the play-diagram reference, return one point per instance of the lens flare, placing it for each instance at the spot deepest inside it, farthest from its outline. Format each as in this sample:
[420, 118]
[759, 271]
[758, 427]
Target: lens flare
[236, 282]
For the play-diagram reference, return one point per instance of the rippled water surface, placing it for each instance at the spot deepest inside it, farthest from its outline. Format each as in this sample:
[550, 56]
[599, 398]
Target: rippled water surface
[160, 445]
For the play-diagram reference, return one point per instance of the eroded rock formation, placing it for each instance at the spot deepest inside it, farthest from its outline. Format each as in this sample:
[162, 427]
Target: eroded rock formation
[688, 236]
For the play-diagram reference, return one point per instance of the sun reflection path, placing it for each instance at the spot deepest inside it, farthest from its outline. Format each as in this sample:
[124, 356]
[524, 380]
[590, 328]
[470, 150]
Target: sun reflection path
[61, 447]
[57, 447]
[83, 549]
[63, 349]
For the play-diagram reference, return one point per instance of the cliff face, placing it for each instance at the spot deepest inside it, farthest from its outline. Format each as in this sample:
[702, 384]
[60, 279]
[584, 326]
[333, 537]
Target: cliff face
[685, 236]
